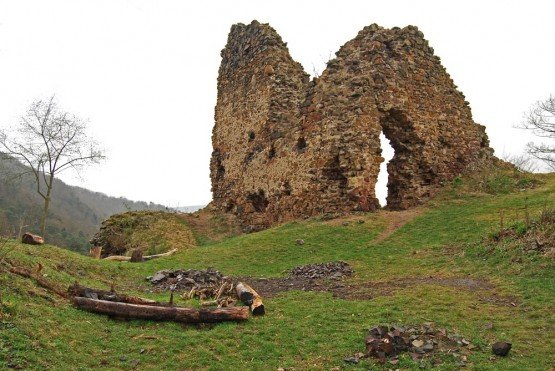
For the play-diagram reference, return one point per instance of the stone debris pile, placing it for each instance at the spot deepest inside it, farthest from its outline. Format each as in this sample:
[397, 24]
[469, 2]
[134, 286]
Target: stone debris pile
[387, 343]
[332, 270]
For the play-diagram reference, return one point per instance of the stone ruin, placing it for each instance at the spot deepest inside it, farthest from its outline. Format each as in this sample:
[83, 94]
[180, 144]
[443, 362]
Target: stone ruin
[286, 146]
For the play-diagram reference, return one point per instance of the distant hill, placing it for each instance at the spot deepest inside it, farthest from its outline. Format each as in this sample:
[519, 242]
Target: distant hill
[189, 209]
[75, 212]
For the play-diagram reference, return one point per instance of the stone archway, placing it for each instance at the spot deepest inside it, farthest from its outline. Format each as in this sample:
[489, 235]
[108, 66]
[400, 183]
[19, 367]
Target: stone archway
[276, 127]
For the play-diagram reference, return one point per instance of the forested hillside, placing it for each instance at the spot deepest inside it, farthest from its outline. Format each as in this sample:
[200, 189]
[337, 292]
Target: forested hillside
[75, 213]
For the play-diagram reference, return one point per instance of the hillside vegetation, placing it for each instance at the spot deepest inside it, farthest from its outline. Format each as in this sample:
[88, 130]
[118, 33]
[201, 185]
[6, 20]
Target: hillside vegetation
[453, 262]
[75, 213]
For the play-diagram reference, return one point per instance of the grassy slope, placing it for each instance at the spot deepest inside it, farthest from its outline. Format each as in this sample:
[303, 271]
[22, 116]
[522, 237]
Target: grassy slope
[302, 329]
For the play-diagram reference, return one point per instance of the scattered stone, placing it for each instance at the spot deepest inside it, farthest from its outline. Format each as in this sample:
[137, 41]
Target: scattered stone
[333, 270]
[352, 360]
[355, 358]
[134, 363]
[386, 343]
[158, 277]
[489, 326]
[501, 348]
[428, 347]
[299, 242]
[32, 239]
[417, 343]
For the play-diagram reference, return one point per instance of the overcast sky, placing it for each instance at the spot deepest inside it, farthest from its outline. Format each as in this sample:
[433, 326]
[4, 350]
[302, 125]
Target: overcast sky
[144, 72]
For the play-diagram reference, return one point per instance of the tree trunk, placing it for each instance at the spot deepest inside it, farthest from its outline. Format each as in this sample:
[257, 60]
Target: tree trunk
[87, 292]
[45, 214]
[250, 297]
[159, 313]
[136, 256]
[95, 252]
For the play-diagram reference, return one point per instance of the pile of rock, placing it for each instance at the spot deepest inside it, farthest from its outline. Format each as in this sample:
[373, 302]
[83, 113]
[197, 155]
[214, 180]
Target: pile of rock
[386, 343]
[332, 270]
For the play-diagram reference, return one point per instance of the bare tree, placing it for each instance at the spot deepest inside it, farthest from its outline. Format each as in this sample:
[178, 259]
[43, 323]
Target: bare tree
[48, 141]
[541, 121]
[522, 162]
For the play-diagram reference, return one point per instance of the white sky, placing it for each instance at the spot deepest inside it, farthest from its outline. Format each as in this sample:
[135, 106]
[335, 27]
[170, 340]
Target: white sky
[144, 72]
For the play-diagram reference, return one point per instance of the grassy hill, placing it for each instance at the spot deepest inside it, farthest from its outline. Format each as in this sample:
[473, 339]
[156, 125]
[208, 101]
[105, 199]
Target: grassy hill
[75, 213]
[447, 262]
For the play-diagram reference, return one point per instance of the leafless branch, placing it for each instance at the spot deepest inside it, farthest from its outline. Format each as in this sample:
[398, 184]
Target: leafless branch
[47, 141]
[541, 121]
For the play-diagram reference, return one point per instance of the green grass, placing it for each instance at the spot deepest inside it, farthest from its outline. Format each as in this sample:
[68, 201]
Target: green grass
[305, 330]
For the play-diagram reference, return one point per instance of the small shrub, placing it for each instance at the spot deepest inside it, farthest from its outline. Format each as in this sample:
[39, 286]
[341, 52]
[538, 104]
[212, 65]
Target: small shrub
[547, 216]
[520, 228]
[457, 182]
[499, 183]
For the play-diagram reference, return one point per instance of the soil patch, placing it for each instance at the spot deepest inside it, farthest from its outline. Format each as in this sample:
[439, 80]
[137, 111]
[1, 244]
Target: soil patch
[269, 287]
[210, 284]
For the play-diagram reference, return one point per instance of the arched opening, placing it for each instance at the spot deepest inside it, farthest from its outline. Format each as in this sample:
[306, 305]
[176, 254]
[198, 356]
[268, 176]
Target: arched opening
[383, 175]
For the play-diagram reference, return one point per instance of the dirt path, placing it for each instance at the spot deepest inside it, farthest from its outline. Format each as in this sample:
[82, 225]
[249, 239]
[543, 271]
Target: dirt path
[395, 220]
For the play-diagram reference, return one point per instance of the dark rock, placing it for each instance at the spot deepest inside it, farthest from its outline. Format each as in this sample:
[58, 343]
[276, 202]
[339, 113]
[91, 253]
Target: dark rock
[299, 242]
[501, 348]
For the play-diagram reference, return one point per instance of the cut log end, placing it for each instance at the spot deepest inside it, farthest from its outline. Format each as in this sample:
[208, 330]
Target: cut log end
[259, 310]
[251, 298]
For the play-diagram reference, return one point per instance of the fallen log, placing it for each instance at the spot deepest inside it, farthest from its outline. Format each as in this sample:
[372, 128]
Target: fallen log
[161, 313]
[41, 281]
[32, 239]
[251, 298]
[122, 258]
[90, 293]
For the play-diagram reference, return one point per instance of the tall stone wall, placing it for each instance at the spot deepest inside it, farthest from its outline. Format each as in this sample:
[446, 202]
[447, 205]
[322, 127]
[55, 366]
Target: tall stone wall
[285, 146]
